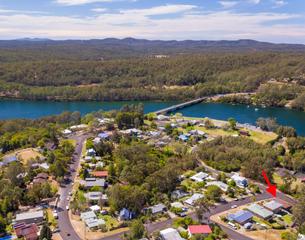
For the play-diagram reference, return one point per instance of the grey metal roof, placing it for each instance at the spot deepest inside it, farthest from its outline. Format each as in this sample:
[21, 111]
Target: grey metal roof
[29, 215]
[259, 210]
[170, 234]
[273, 205]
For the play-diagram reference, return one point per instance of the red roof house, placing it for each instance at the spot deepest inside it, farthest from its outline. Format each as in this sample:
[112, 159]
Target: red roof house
[199, 229]
[28, 232]
[100, 174]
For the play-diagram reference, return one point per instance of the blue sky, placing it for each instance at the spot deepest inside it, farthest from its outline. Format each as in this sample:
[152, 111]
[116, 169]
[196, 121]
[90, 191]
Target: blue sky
[265, 20]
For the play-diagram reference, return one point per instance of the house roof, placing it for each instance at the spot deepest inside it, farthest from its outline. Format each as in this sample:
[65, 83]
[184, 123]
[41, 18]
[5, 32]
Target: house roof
[92, 182]
[221, 185]
[285, 204]
[29, 215]
[157, 208]
[93, 195]
[100, 174]
[170, 234]
[27, 231]
[199, 176]
[103, 135]
[194, 198]
[87, 215]
[273, 205]
[199, 229]
[240, 216]
[260, 211]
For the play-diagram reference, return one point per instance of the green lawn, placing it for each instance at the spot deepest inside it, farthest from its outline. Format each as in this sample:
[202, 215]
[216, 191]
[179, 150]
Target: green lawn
[287, 219]
[110, 221]
[261, 221]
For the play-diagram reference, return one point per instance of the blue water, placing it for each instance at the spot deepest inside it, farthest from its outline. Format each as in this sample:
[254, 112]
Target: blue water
[245, 114]
[11, 109]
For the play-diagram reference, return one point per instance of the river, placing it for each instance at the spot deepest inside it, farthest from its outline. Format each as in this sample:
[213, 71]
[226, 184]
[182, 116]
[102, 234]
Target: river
[11, 109]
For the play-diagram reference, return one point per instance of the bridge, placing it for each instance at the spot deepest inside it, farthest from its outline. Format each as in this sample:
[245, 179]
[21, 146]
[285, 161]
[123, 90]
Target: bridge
[199, 100]
[180, 106]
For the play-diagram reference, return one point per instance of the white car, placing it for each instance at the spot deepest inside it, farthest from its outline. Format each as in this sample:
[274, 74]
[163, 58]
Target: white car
[234, 206]
[67, 208]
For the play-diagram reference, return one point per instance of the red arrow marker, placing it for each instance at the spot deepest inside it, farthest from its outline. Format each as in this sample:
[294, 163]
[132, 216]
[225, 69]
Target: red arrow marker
[271, 188]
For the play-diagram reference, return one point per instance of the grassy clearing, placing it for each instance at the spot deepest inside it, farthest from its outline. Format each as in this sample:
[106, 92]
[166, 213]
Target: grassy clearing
[51, 218]
[27, 154]
[288, 219]
[262, 137]
[71, 141]
[262, 221]
[111, 222]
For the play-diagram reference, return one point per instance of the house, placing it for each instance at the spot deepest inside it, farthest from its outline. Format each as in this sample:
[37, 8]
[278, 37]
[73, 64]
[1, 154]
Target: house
[95, 208]
[132, 132]
[26, 231]
[285, 205]
[241, 217]
[103, 135]
[177, 205]
[156, 209]
[125, 215]
[197, 133]
[192, 200]
[199, 229]
[96, 140]
[177, 194]
[100, 174]
[30, 217]
[78, 127]
[170, 234]
[224, 187]
[301, 236]
[93, 196]
[183, 137]
[66, 132]
[91, 152]
[91, 220]
[41, 178]
[93, 182]
[273, 206]
[239, 180]
[163, 118]
[199, 177]
[8, 159]
[260, 211]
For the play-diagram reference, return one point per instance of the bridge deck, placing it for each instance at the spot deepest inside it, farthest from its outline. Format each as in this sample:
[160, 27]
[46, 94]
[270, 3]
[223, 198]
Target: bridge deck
[179, 106]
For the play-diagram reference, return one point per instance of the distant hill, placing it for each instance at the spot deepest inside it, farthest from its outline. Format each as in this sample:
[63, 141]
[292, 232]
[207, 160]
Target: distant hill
[33, 49]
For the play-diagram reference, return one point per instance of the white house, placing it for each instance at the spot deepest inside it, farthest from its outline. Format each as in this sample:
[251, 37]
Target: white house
[199, 177]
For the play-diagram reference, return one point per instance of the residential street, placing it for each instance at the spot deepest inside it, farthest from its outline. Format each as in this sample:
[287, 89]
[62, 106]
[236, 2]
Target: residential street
[66, 230]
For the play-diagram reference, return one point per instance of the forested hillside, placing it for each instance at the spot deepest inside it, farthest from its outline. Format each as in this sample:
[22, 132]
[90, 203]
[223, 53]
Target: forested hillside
[40, 70]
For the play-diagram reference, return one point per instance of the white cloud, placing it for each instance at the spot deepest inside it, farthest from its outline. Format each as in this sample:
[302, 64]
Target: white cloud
[228, 4]
[139, 23]
[99, 10]
[280, 3]
[80, 2]
[160, 10]
[254, 1]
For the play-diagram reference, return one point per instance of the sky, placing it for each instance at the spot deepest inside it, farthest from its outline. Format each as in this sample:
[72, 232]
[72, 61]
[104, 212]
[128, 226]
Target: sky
[279, 21]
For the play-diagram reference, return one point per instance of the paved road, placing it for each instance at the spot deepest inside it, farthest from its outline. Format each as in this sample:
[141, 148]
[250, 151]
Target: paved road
[66, 230]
